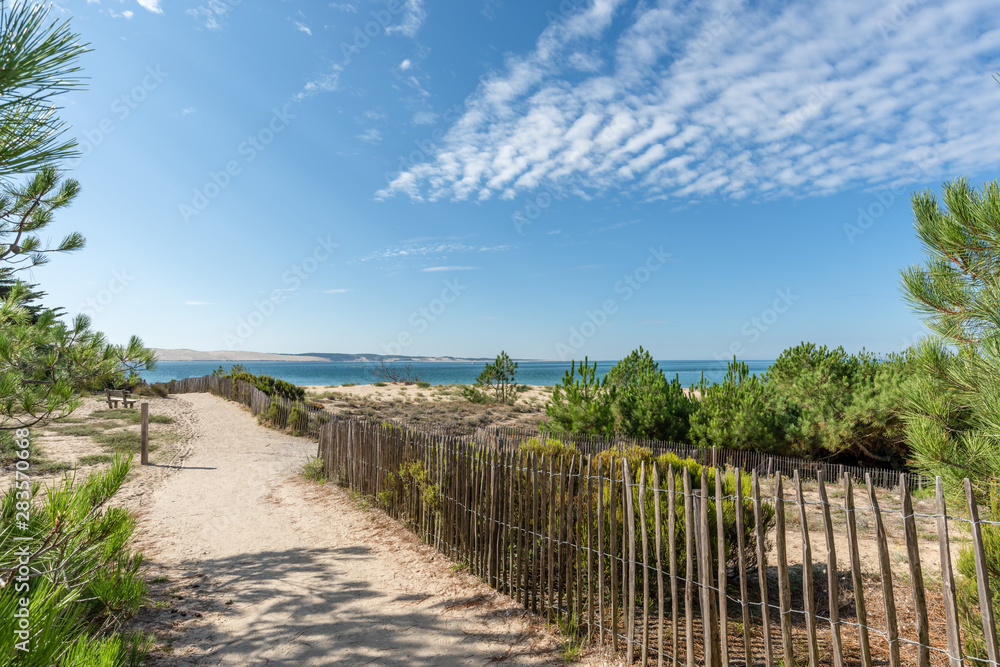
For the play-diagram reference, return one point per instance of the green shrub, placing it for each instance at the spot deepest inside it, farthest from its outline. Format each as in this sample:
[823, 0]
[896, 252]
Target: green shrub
[81, 594]
[581, 405]
[473, 394]
[313, 469]
[639, 456]
[294, 417]
[645, 404]
[423, 384]
[266, 383]
[742, 412]
[159, 389]
[551, 447]
[411, 476]
[273, 413]
[379, 384]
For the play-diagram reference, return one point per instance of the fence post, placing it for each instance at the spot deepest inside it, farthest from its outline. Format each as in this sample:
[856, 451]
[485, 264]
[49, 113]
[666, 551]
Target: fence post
[982, 577]
[144, 434]
[947, 580]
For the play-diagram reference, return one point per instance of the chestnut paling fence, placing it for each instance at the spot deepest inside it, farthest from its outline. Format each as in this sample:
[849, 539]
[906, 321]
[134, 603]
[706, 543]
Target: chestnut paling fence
[606, 549]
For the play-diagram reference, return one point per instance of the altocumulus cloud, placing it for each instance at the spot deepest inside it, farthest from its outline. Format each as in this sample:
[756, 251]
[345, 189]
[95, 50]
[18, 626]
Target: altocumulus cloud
[686, 100]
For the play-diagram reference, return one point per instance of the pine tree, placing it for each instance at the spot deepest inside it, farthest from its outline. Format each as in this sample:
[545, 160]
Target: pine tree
[44, 361]
[953, 414]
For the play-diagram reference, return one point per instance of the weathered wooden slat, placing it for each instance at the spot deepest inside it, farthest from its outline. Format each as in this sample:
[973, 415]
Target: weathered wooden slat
[832, 582]
[550, 576]
[590, 546]
[982, 577]
[856, 580]
[689, 530]
[885, 567]
[784, 593]
[578, 539]
[947, 580]
[613, 517]
[709, 620]
[629, 581]
[537, 572]
[561, 529]
[808, 591]
[600, 550]
[658, 528]
[916, 575]
[762, 572]
[672, 546]
[721, 578]
[742, 568]
[645, 564]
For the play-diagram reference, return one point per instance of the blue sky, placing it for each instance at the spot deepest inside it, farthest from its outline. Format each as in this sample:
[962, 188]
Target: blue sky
[556, 179]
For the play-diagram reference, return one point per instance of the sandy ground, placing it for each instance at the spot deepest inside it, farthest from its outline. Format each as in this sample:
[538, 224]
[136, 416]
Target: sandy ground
[252, 564]
[393, 390]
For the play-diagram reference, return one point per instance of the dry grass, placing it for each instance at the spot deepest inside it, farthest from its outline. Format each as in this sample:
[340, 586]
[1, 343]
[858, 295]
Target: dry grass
[441, 406]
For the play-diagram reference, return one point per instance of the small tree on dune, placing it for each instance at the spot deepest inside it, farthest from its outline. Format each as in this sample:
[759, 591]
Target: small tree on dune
[498, 381]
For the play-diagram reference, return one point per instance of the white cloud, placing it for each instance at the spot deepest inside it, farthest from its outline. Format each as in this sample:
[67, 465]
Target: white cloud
[413, 17]
[405, 65]
[426, 248]
[302, 27]
[449, 268]
[214, 14]
[188, 111]
[325, 84]
[729, 98]
[371, 135]
[425, 118]
[151, 5]
[337, 291]
[199, 303]
[344, 7]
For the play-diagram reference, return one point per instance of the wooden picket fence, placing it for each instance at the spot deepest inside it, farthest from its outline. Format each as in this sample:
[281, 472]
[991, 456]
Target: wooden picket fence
[590, 543]
[606, 549]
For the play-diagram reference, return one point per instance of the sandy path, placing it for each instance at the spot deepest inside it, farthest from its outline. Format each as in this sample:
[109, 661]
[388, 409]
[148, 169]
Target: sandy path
[265, 567]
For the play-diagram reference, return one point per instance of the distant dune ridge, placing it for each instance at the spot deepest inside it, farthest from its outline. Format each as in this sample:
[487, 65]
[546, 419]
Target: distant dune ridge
[165, 354]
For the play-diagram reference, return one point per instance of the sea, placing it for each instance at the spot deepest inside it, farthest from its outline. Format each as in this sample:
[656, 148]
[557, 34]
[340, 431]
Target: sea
[436, 372]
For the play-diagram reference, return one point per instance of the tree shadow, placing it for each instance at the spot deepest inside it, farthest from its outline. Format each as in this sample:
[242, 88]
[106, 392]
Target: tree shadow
[305, 607]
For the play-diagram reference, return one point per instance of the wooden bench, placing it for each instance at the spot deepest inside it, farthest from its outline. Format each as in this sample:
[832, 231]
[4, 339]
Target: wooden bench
[115, 395]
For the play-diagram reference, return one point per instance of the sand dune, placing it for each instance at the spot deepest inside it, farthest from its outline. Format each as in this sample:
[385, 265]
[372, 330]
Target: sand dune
[226, 355]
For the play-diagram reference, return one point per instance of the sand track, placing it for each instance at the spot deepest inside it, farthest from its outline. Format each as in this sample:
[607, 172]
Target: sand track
[265, 567]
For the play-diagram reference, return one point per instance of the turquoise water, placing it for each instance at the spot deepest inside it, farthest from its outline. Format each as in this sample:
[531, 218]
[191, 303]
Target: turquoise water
[335, 373]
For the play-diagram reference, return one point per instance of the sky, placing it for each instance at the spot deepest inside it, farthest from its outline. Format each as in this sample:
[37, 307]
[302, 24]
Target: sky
[550, 178]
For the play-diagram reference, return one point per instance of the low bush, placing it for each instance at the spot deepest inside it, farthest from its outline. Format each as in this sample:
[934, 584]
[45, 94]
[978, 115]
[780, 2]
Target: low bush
[411, 476]
[638, 457]
[313, 469]
[267, 384]
[550, 447]
[81, 593]
[580, 404]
